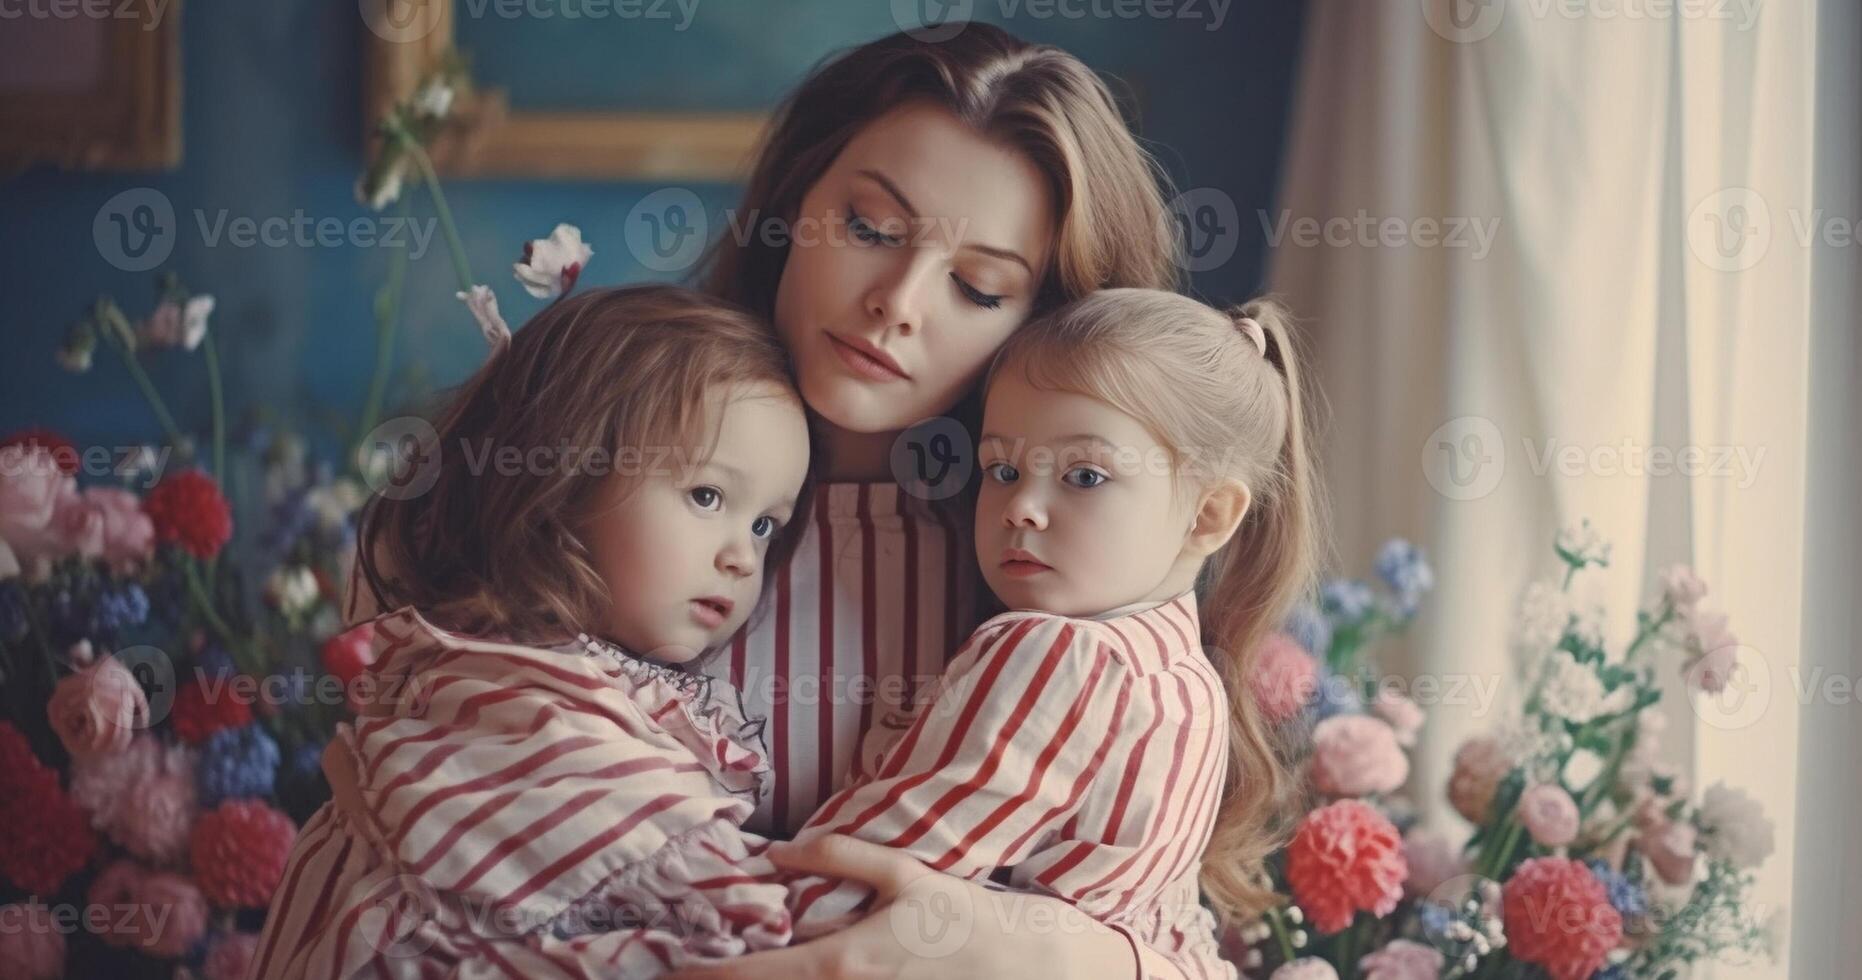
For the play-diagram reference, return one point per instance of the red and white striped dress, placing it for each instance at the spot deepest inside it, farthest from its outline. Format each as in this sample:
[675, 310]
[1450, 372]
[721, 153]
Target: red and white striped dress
[521, 811]
[1078, 757]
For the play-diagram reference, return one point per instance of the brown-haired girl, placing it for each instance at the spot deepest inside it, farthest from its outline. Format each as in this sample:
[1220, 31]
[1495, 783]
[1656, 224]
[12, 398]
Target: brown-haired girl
[535, 752]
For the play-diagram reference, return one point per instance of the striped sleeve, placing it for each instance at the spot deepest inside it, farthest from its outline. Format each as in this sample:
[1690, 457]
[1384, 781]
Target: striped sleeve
[992, 766]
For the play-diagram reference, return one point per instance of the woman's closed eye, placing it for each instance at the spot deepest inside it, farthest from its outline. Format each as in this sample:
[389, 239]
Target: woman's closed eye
[865, 231]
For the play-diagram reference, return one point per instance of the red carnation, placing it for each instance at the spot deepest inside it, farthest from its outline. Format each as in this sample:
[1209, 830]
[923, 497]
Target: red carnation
[63, 451]
[1344, 857]
[346, 655]
[239, 851]
[198, 712]
[48, 837]
[1559, 916]
[17, 762]
[189, 509]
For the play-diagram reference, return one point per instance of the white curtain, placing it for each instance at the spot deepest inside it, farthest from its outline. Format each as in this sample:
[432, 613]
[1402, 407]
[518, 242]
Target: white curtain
[1566, 260]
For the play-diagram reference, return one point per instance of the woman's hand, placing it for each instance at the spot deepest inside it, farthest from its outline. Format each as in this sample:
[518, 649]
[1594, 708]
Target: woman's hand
[928, 924]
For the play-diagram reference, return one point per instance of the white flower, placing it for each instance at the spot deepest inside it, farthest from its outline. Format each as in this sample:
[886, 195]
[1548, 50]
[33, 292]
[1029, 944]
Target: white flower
[75, 358]
[1583, 544]
[387, 190]
[1777, 932]
[1305, 968]
[1588, 626]
[1544, 612]
[484, 306]
[194, 320]
[335, 502]
[1734, 827]
[1707, 631]
[1570, 690]
[294, 589]
[434, 99]
[1681, 587]
[551, 265]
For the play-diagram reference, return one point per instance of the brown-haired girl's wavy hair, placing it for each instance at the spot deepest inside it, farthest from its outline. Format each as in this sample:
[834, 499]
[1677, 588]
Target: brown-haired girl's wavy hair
[492, 549]
[1225, 410]
[1113, 225]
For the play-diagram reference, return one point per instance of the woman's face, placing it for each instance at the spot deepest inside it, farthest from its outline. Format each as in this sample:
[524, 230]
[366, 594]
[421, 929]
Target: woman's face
[923, 243]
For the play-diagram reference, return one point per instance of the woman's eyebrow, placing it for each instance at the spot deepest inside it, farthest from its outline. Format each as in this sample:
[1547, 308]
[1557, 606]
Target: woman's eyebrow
[892, 189]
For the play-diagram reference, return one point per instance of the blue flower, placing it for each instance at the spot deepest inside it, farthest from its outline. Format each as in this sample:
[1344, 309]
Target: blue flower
[237, 762]
[1347, 600]
[1626, 896]
[1336, 695]
[1309, 629]
[1614, 971]
[215, 663]
[1403, 568]
[307, 760]
[14, 623]
[1436, 920]
[123, 607]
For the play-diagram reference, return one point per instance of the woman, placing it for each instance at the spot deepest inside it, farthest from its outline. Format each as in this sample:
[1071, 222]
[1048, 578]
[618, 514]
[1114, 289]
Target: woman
[932, 196]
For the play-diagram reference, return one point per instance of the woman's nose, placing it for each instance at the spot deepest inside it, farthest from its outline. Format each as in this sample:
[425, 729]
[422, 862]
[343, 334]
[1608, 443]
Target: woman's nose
[897, 299]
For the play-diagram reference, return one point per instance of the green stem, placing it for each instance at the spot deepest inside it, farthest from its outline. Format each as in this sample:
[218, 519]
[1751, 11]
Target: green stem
[1281, 934]
[149, 393]
[421, 160]
[387, 319]
[219, 407]
[1347, 958]
[204, 599]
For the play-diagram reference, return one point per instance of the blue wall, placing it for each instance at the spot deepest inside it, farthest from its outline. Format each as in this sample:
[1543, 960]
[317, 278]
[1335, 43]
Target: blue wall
[272, 124]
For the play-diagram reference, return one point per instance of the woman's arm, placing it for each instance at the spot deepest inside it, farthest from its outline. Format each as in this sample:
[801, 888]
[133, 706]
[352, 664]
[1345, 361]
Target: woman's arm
[928, 925]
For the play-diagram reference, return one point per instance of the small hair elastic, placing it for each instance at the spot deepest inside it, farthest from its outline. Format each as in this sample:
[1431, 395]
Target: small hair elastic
[1252, 328]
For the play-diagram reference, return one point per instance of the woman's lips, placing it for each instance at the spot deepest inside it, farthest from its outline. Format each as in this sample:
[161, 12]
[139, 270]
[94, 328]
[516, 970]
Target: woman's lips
[861, 363]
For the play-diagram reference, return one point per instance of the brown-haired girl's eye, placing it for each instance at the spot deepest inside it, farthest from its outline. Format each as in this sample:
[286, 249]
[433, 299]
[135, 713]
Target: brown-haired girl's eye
[987, 301]
[696, 492]
[770, 523]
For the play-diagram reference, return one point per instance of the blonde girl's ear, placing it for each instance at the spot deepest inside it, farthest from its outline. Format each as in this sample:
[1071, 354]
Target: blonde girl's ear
[1218, 514]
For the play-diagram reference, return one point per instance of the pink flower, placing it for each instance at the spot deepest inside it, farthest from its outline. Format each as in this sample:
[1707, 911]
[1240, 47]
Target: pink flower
[1669, 846]
[1402, 714]
[98, 709]
[1681, 587]
[1283, 679]
[1432, 860]
[1711, 671]
[1558, 915]
[32, 948]
[128, 533]
[181, 910]
[1549, 815]
[1402, 959]
[159, 826]
[1480, 764]
[1344, 858]
[1706, 630]
[31, 487]
[100, 783]
[1356, 755]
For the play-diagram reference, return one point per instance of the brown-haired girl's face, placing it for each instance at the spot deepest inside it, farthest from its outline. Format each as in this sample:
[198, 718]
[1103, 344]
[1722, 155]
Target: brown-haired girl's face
[681, 543]
[914, 256]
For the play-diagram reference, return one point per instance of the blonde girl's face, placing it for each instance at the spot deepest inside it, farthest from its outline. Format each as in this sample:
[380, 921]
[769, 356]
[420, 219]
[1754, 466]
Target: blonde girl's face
[924, 243]
[683, 554]
[1083, 490]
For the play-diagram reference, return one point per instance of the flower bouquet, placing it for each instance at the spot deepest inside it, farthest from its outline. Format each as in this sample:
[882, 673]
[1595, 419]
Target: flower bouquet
[172, 652]
[1587, 858]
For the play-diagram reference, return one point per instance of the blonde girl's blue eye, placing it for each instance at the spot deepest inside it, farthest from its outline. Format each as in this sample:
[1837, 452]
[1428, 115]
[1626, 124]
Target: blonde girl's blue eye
[1002, 472]
[697, 493]
[1097, 478]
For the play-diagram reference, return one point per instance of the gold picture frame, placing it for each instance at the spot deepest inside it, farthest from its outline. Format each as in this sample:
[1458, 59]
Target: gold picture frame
[407, 38]
[125, 116]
